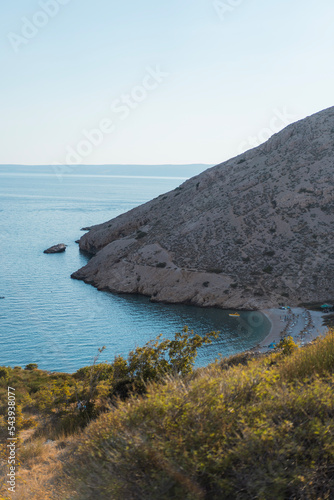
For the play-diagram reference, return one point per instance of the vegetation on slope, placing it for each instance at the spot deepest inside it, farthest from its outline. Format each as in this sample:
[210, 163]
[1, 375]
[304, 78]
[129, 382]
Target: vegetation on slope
[55, 397]
[264, 430]
[245, 427]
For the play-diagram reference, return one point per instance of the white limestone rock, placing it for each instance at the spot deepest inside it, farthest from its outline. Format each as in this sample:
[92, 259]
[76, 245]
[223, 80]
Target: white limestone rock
[249, 233]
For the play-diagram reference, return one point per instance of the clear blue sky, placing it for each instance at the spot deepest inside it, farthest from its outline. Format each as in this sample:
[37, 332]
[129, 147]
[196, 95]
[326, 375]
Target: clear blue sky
[229, 75]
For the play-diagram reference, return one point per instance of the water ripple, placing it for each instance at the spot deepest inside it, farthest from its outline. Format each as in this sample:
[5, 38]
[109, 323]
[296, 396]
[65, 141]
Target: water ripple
[60, 323]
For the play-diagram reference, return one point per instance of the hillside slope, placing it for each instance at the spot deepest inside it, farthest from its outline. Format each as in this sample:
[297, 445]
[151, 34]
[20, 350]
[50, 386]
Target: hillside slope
[248, 233]
[246, 427]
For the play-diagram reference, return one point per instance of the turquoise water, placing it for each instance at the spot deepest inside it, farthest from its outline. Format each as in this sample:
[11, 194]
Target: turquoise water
[59, 323]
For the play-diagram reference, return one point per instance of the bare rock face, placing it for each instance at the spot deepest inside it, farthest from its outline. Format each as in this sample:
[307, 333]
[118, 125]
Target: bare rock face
[251, 232]
[56, 248]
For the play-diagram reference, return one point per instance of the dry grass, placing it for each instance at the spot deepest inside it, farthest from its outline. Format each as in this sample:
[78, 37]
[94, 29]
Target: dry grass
[258, 429]
[317, 357]
[242, 428]
[41, 470]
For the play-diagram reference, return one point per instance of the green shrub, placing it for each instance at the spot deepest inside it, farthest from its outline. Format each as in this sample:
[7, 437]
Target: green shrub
[29, 423]
[269, 253]
[244, 427]
[286, 345]
[242, 358]
[158, 358]
[102, 371]
[247, 431]
[214, 270]
[314, 359]
[140, 235]
[31, 366]
[4, 373]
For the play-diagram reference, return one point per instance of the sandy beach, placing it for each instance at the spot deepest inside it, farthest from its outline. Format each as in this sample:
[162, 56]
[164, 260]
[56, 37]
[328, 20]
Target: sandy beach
[301, 324]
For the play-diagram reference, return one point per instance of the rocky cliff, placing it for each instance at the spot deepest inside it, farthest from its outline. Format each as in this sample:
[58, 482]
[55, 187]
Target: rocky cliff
[251, 232]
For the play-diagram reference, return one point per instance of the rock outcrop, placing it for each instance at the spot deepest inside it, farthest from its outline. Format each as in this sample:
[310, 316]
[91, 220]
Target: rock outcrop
[56, 248]
[252, 232]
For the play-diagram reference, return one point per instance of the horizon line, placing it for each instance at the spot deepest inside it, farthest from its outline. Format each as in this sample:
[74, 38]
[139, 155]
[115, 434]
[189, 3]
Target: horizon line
[105, 164]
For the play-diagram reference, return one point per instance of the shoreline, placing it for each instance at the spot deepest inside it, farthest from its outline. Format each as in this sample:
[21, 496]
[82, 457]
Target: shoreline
[294, 322]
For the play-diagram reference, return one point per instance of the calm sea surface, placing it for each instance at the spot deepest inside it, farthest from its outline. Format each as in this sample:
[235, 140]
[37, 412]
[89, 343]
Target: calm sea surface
[59, 323]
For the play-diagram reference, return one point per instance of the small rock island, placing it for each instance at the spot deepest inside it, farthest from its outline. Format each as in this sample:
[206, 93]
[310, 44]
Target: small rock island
[61, 247]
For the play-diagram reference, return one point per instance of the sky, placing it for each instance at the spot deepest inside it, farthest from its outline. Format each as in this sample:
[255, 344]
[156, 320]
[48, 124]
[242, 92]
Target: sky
[173, 82]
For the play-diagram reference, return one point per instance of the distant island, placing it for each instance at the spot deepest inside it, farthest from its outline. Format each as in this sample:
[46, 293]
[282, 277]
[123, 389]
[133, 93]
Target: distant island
[251, 233]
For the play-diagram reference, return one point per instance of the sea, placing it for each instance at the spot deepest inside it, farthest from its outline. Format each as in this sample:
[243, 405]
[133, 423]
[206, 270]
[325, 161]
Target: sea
[59, 323]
